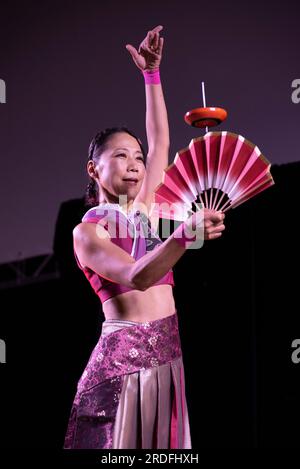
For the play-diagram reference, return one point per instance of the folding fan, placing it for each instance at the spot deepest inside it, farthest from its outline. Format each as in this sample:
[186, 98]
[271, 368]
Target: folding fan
[220, 170]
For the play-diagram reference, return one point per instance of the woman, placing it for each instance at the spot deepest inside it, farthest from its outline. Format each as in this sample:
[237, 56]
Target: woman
[131, 394]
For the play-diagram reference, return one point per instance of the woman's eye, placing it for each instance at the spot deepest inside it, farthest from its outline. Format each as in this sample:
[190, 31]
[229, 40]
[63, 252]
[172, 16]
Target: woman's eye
[121, 154]
[140, 158]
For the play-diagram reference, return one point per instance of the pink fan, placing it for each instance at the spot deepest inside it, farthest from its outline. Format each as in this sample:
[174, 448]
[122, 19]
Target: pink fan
[220, 170]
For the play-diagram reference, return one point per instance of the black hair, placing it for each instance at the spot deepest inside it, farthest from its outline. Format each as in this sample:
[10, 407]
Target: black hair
[97, 146]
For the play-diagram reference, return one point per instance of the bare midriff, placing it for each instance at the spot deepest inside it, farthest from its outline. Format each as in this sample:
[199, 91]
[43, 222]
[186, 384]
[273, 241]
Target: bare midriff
[154, 303]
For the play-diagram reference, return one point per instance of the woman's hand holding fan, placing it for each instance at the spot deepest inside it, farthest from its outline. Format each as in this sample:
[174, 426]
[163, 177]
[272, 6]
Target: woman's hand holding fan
[213, 224]
[206, 223]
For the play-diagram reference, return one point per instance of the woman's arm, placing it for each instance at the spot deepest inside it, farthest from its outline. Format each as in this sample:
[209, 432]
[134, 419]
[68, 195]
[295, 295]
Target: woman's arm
[157, 126]
[113, 263]
[148, 60]
[95, 250]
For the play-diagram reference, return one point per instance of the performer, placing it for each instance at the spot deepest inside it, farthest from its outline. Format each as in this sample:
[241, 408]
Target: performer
[132, 391]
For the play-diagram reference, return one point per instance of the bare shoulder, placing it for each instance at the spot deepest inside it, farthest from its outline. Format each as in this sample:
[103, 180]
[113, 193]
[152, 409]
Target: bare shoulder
[90, 240]
[89, 233]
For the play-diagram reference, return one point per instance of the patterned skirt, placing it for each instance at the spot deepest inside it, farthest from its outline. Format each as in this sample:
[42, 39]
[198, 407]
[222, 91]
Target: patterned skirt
[132, 392]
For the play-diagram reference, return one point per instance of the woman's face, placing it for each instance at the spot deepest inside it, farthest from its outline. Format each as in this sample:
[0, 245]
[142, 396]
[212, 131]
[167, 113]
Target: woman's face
[121, 166]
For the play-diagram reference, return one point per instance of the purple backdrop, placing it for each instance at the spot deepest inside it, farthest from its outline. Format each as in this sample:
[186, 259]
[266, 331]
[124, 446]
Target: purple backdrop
[68, 74]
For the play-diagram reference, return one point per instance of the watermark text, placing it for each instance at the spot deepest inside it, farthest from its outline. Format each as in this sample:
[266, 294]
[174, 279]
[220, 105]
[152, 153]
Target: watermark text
[296, 93]
[2, 91]
[2, 351]
[296, 353]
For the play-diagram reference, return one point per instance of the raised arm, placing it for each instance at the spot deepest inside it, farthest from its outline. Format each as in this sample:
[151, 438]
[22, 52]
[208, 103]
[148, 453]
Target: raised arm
[148, 59]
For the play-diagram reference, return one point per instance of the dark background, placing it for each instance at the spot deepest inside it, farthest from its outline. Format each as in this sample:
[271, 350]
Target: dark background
[68, 74]
[238, 306]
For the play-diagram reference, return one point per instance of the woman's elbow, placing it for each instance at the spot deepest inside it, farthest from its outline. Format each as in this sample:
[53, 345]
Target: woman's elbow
[140, 282]
[140, 277]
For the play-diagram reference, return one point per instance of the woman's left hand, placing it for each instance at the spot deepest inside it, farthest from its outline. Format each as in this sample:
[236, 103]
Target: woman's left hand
[149, 54]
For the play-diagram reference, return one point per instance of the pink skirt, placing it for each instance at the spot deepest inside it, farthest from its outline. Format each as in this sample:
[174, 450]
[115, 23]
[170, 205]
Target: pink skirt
[131, 394]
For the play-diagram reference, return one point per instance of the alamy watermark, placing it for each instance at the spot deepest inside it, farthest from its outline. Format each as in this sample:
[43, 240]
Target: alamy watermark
[139, 216]
[2, 92]
[296, 353]
[2, 351]
[296, 93]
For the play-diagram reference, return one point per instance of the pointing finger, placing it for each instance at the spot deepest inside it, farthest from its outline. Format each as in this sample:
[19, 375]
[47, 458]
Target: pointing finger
[160, 45]
[157, 29]
[155, 41]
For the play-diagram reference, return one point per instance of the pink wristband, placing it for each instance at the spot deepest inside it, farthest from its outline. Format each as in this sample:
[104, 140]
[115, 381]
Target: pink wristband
[152, 77]
[183, 239]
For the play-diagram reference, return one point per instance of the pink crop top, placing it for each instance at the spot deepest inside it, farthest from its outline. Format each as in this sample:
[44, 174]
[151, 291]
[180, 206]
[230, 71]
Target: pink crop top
[131, 232]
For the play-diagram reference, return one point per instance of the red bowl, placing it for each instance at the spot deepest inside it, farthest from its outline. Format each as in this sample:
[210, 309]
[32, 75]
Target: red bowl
[205, 116]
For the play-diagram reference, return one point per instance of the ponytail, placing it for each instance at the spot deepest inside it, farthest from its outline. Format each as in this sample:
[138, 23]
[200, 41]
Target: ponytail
[92, 194]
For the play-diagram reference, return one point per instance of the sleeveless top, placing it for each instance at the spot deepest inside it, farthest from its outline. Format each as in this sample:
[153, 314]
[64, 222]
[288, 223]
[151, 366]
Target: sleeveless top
[131, 232]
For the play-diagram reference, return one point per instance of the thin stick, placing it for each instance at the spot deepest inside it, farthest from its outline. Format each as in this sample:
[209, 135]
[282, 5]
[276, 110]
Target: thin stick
[226, 209]
[206, 201]
[215, 199]
[201, 200]
[219, 202]
[224, 206]
[210, 197]
[203, 94]
[204, 100]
